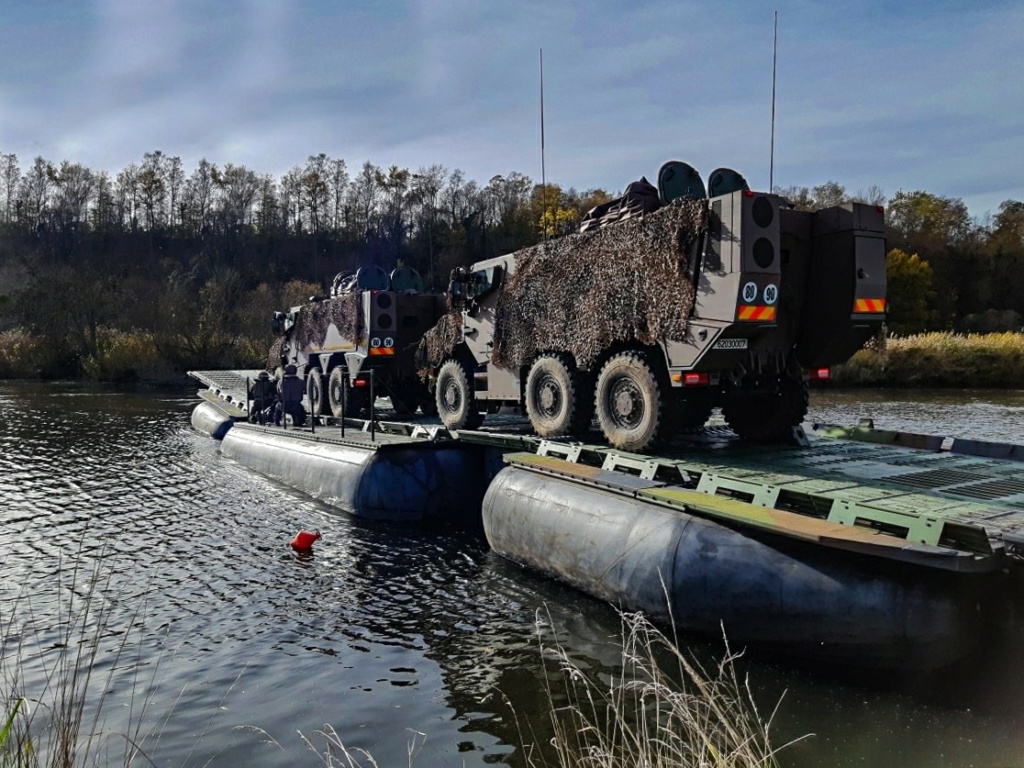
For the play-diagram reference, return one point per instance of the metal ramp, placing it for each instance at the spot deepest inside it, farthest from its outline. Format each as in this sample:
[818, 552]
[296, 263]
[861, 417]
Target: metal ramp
[230, 386]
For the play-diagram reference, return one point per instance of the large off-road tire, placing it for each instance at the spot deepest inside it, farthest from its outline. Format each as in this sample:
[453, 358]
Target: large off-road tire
[456, 401]
[338, 388]
[628, 402]
[556, 400]
[767, 414]
[315, 392]
[336, 395]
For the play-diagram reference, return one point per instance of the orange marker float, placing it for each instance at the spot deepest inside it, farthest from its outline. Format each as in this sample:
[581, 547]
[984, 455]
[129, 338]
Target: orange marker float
[303, 541]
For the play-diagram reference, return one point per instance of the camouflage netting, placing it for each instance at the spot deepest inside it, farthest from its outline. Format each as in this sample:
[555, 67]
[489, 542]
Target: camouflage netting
[438, 342]
[312, 321]
[582, 293]
[274, 357]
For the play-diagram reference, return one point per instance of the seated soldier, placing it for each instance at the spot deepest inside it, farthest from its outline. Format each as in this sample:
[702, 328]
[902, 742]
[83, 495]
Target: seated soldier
[289, 392]
[262, 396]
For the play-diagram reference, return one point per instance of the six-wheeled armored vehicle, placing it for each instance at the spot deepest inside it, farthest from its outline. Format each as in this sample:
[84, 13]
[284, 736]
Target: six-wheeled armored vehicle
[370, 325]
[670, 302]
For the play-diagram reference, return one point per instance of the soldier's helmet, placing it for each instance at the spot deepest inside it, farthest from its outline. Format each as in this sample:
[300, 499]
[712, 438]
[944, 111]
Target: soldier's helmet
[290, 370]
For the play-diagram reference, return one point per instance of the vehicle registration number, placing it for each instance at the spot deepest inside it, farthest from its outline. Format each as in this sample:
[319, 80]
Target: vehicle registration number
[730, 344]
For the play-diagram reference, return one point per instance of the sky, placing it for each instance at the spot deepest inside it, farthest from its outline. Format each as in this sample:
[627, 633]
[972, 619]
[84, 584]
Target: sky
[899, 94]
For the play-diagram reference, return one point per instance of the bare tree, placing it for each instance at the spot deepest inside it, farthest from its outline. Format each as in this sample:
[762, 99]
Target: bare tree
[238, 186]
[198, 196]
[126, 195]
[873, 195]
[337, 184]
[395, 187]
[104, 209]
[291, 199]
[10, 173]
[153, 188]
[73, 188]
[34, 192]
[364, 196]
[315, 190]
[175, 180]
[829, 194]
[268, 211]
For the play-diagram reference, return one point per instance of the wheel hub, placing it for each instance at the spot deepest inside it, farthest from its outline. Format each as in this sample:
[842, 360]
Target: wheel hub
[549, 398]
[451, 397]
[627, 403]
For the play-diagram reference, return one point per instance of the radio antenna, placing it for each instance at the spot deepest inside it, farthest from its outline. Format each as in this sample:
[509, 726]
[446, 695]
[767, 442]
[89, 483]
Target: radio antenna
[775, 57]
[543, 174]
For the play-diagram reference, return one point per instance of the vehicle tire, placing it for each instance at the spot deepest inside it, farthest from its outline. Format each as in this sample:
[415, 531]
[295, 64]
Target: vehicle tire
[767, 415]
[628, 402]
[336, 396]
[456, 401]
[337, 388]
[315, 392]
[556, 401]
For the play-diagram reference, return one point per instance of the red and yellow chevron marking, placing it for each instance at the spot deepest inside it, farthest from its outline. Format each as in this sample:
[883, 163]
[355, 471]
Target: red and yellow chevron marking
[873, 306]
[760, 312]
[381, 351]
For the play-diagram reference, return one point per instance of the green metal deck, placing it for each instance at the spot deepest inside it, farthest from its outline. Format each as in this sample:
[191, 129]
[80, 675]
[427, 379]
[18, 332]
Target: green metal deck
[924, 496]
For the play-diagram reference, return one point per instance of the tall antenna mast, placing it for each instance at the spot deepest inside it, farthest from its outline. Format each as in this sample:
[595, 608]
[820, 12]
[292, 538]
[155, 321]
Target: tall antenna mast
[543, 174]
[775, 57]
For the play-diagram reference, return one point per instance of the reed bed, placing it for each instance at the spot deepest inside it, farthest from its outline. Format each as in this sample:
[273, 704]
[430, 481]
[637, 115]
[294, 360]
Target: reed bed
[662, 708]
[941, 359]
[52, 707]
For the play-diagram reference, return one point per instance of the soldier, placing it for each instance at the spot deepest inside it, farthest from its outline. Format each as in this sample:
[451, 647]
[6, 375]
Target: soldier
[290, 391]
[262, 397]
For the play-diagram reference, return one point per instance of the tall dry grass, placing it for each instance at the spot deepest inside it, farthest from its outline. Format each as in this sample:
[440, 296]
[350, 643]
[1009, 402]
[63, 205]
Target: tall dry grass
[128, 356]
[990, 360]
[53, 705]
[662, 709]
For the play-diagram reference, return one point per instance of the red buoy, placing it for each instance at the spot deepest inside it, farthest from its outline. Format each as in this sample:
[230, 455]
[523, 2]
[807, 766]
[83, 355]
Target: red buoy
[303, 540]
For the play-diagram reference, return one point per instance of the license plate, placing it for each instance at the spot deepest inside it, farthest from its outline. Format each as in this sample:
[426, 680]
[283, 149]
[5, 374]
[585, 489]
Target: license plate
[730, 344]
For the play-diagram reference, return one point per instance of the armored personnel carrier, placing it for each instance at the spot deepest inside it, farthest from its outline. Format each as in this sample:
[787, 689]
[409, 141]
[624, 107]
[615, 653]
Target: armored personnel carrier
[369, 325]
[672, 301]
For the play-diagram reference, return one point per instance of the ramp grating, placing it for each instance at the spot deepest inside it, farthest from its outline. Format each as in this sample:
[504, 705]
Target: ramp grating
[936, 478]
[990, 489]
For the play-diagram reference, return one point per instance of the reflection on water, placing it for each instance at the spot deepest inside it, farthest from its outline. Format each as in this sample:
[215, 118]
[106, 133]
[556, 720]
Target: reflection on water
[996, 415]
[384, 630]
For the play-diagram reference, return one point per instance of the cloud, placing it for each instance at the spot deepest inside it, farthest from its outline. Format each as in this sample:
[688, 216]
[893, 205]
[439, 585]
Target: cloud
[902, 95]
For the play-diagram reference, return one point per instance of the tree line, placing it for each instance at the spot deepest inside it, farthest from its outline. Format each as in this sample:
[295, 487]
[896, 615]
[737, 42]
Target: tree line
[200, 257]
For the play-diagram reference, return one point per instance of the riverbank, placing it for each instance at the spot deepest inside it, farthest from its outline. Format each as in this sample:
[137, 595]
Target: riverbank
[937, 360]
[120, 357]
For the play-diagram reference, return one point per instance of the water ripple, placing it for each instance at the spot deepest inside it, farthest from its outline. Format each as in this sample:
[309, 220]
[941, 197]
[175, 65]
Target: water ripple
[383, 629]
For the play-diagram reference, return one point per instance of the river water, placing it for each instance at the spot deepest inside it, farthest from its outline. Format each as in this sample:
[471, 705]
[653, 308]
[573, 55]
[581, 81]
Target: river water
[235, 645]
